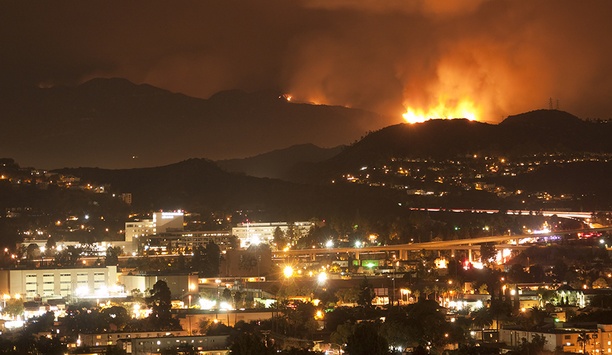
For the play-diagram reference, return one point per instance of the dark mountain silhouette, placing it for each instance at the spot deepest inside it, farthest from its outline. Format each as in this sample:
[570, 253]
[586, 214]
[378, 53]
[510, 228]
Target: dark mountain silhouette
[200, 185]
[535, 132]
[278, 163]
[115, 123]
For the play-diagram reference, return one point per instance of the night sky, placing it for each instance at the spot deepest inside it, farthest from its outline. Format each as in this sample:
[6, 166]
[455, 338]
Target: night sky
[494, 58]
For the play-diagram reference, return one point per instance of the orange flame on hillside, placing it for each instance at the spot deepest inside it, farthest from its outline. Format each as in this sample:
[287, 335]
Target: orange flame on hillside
[447, 109]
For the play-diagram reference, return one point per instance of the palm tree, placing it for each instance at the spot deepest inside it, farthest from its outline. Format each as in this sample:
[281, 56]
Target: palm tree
[426, 291]
[583, 339]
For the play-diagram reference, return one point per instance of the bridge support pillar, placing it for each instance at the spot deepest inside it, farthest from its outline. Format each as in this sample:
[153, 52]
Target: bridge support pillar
[403, 253]
[470, 253]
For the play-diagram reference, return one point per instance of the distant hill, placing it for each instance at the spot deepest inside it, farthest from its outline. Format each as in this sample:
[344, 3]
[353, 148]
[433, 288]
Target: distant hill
[116, 123]
[279, 163]
[200, 185]
[533, 132]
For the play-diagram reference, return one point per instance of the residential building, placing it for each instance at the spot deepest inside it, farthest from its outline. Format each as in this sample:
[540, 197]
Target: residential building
[203, 345]
[595, 339]
[112, 338]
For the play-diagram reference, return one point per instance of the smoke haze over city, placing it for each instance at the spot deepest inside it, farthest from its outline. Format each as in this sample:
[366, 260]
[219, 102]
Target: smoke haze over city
[478, 59]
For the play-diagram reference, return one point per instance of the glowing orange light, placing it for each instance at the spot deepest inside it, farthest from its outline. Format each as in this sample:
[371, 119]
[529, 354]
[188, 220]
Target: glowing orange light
[446, 109]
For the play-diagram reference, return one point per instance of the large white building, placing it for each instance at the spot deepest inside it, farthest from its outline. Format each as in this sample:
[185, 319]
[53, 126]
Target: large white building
[160, 223]
[85, 282]
[183, 241]
[257, 233]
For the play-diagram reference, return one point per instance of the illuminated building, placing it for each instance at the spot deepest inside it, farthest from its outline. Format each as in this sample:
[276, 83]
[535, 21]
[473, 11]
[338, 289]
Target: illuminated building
[179, 283]
[565, 337]
[160, 223]
[180, 242]
[257, 233]
[86, 282]
[216, 344]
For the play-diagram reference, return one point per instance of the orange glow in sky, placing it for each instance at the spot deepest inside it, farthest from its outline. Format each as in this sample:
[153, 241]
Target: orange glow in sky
[446, 109]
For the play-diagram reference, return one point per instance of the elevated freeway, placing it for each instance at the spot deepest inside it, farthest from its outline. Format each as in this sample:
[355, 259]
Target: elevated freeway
[469, 244]
[514, 242]
[546, 213]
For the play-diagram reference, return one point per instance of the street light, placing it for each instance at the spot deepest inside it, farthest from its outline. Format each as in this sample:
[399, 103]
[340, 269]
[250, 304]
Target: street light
[288, 271]
[404, 293]
[321, 278]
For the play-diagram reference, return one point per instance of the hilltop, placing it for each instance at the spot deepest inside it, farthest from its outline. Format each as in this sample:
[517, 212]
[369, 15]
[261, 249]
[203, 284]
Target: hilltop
[279, 163]
[535, 132]
[115, 123]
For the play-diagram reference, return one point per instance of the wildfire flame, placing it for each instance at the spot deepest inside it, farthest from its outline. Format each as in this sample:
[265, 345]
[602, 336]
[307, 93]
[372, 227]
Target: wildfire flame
[444, 109]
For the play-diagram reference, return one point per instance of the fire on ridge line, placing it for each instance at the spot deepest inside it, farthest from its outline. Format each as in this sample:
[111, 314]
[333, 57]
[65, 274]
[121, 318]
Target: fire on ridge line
[462, 109]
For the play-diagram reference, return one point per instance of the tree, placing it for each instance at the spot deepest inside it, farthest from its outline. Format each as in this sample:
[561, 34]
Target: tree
[160, 303]
[43, 323]
[50, 246]
[366, 293]
[534, 317]
[238, 299]
[206, 259]
[300, 320]
[583, 339]
[52, 345]
[517, 274]
[537, 273]
[560, 270]
[347, 295]
[226, 295]
[115, 350]
[32, 252]
[115, 317]
[14, 307]
[69, 256]
[482, 318]
[487, 252]
[427, 323]
[397, 333]
[279, 238]
[204, 325]
[246, 343]
[366, 340]
[536, 346]
[342, 333]
[213, 256]
[112, 255]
